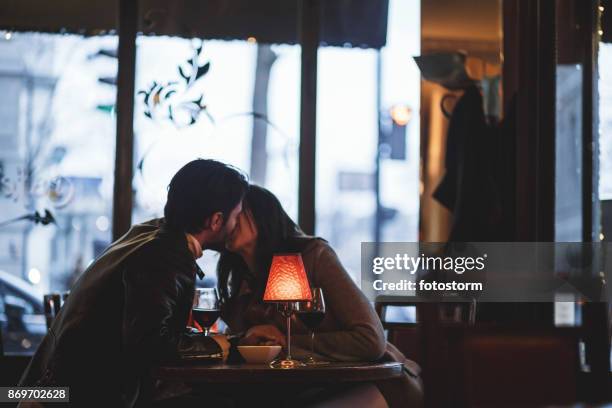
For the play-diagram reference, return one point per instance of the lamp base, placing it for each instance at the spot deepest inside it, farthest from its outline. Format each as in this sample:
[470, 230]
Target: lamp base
[286, 364]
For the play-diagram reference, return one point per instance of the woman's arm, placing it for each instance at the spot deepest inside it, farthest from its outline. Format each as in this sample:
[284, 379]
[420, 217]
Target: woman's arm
[359, 335]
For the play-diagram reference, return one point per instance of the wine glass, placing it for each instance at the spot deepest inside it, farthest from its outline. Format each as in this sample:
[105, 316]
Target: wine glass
[311, 313]
[205, 309]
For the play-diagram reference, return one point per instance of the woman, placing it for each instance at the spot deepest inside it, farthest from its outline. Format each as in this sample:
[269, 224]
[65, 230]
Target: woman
[350, 331]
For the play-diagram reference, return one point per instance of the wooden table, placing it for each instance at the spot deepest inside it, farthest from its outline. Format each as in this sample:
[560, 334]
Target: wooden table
[247, 385]
[195, 373]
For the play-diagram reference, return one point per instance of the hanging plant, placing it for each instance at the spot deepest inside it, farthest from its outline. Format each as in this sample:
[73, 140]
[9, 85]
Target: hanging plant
[167, 101]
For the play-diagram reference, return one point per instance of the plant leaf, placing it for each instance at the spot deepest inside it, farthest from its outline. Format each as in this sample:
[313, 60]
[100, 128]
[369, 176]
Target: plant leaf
[203, 70]
[169, 93]
[147, 94]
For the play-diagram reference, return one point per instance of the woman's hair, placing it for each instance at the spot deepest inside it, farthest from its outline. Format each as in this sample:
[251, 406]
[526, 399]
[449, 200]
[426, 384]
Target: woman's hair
[276, 232]
[200, 189]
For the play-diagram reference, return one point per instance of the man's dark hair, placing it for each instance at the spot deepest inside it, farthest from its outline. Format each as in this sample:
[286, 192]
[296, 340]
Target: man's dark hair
[200, 189]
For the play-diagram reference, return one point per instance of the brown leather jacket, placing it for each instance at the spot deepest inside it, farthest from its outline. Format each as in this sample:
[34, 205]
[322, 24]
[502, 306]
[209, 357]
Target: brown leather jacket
[127, 312]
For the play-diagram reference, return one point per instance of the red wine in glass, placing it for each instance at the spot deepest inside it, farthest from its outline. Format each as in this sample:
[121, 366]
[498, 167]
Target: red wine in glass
[205, 310]
[312, 314]
[311, 319]
[206, 317]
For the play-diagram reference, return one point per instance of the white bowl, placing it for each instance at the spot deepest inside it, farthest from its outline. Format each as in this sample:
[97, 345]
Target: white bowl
[259, 354]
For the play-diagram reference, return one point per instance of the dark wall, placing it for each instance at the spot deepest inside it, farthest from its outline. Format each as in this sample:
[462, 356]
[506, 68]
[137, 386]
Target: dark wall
[606, 219]
[11, 368]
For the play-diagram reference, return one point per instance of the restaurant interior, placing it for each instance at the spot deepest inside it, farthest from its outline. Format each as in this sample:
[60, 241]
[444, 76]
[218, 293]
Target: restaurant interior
[359, 116]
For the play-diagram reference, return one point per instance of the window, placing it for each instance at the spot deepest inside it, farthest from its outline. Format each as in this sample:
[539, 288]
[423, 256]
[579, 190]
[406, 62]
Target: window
[56, 155]
[605, 139]
[568, 145]
[347, 140]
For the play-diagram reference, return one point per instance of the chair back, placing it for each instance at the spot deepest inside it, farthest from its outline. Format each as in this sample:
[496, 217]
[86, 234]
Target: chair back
[52, 303]
[410, 337]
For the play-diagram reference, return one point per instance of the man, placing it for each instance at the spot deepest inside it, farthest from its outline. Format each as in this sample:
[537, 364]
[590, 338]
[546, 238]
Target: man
[129, 309]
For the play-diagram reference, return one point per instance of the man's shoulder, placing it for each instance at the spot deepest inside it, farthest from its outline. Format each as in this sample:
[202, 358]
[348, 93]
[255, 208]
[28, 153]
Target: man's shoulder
[138, 230]
[153, 236]
[151, 245]
[165, 246]
[158, 260]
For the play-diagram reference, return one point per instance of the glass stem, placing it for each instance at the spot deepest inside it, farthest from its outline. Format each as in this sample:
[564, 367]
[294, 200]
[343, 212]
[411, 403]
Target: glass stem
[312, 343]
[289, 336]
[206, 331]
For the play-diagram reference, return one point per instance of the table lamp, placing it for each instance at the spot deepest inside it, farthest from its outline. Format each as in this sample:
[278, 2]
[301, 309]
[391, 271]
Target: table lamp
[287, 284]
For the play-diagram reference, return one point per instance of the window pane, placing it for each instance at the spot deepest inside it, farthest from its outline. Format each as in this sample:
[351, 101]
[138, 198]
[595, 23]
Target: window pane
[56, 155]
[347, 139]
[605, 122]
[568, 171]
[248, 116]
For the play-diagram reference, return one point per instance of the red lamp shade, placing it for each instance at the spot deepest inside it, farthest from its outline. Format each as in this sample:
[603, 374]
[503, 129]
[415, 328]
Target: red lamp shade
[287, 281]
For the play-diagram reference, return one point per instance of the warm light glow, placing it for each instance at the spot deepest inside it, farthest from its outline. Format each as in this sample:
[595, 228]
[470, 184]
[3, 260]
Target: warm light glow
[601, 8]
[401, 114]
[287, 281]
[251, 40]
[34, 276]
[601, 236]
[600, 32]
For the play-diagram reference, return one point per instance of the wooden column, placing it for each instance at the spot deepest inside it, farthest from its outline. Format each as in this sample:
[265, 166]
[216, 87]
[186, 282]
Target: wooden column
[596, 315]
[530, 79]
[546, 113]
[591, 225]
[124, 150]
[309, 23]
